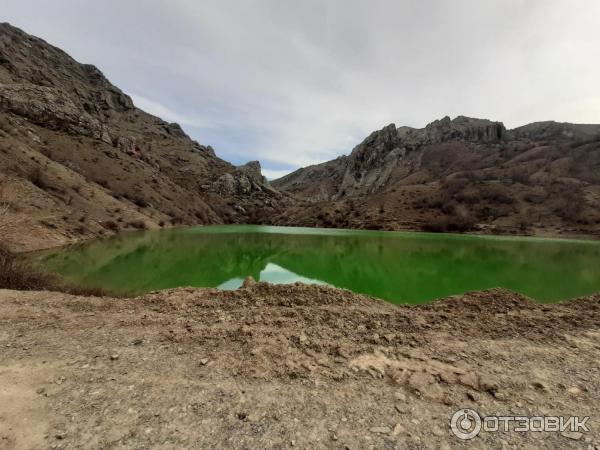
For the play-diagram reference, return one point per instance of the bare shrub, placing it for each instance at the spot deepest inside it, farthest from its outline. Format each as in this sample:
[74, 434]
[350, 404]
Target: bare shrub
[495, 194]
[111, 225]
[453, 185]
[571, 203]
[36, 176]
[455, 224]
[14, 274]
[8, 205]
[19, 275]
[138, 224]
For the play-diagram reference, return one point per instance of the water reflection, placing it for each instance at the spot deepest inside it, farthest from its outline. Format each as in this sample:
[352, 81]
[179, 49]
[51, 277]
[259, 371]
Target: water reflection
[400, 267]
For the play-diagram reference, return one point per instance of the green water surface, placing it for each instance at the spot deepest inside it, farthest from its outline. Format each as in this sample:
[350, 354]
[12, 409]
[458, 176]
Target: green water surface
[399, 267]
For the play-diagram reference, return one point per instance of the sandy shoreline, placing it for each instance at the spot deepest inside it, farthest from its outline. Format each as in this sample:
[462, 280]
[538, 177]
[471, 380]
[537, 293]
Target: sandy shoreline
[290, 366]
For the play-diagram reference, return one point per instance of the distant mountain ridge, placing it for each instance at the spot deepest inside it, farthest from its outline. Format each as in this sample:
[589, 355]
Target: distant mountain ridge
[79, 160]
[457, 175]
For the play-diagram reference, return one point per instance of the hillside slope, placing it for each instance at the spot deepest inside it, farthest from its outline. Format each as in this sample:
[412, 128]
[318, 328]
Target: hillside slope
[458, 175]
[79, 160]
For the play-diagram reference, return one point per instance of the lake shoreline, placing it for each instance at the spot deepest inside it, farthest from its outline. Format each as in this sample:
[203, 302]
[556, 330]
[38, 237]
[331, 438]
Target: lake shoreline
[401, 267]
[25, 246]
[292, 366]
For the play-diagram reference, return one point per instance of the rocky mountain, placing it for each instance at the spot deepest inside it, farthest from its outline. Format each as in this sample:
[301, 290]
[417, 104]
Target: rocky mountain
[458, 175]
[78, 159]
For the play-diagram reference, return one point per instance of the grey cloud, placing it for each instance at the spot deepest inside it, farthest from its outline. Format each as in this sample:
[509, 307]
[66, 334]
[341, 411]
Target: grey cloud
[298, 82]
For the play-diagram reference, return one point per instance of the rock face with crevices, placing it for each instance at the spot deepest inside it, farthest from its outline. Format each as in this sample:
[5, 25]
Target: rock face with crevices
[461, 174]
[86, 162]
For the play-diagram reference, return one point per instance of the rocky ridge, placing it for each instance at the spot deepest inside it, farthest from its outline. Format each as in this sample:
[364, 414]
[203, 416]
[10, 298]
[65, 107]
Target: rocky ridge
[86, 162]
[80, 161]
[541, 176]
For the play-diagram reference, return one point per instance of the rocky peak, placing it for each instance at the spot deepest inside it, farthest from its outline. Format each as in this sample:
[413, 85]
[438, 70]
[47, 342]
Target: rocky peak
[253, 170]
[28, 59]
[244, 179]
[464, 128]
[375, 146]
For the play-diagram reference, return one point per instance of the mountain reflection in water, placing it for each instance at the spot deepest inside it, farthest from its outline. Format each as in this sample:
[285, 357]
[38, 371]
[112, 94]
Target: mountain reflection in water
[399, 267]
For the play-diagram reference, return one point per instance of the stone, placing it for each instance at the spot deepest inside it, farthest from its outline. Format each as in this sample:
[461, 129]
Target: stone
[402, 409]
[488, 384]
[399, 395]
[389, 337]
[575, 391]
[472, 396]
[574, 435]
[437, 431]
[61, 434]
[380, 430]
[420, 380]
[398, 429]
[500, 396]
[114, 357]
[249, 281]
[469, 379]
[540, 386]
[204, 361]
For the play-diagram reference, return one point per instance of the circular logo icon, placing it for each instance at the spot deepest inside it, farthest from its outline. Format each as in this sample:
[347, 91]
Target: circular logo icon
[465, 424]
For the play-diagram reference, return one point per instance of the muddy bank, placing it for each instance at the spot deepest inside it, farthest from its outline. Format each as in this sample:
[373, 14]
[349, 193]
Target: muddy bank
[290, 366]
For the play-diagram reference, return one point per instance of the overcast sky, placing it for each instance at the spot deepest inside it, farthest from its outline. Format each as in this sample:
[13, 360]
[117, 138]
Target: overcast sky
[296, 82]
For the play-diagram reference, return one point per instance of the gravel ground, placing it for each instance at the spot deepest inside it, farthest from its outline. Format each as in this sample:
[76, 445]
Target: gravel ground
[290, 366]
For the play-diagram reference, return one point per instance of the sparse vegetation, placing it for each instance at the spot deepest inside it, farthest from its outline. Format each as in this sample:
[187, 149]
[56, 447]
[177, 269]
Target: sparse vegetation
[37, 178]
[111, 225]
[19, 275]
[14, 274]
[9, 221]
[138, 224]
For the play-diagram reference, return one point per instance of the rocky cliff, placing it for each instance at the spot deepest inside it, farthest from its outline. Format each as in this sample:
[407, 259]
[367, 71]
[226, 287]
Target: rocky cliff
[457, 175]
[370, 165]
[80, 160]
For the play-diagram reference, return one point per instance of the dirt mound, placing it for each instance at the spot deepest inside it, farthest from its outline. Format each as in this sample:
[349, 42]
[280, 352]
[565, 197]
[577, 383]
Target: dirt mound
[288, 366]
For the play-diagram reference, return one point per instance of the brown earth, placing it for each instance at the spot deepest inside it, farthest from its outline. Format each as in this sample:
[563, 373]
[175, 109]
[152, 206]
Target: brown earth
[290, 366]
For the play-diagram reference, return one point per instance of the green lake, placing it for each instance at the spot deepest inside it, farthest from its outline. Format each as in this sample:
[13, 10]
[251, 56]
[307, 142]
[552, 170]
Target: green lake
[396, 266]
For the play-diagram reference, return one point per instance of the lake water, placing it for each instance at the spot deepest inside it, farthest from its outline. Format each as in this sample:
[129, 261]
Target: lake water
[399, 267]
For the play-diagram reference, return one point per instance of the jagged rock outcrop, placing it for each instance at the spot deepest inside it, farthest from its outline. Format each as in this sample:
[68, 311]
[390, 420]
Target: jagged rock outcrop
[370, 164]
[464, 129]
[253, 171]
[50, 108]
[244, 180]
[457, 175]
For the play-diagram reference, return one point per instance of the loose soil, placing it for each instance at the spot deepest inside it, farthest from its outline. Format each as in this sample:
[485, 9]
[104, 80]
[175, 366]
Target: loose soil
[290, 366]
